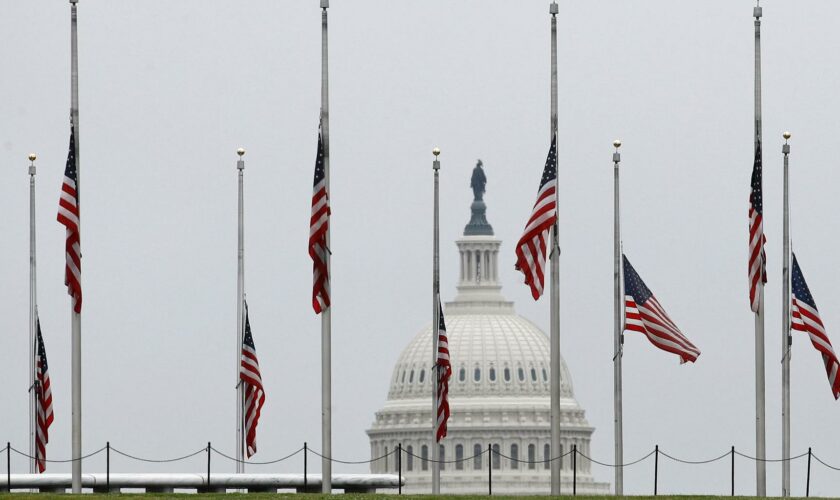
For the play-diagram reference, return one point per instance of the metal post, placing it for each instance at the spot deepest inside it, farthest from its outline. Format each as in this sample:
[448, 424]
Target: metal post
[808, 477]
[108, 467]
[555, 279]
[733, 471]
[574, 469]
[326, 314]
[399, 467]
[786, 338]
[305, 452]
[208, 465]
[489, 469]
[435, 323]
[76, 318]
[618, 338]
[33, 304]
[656, 472]
[760, 407]
[9, 466]
[240, 314]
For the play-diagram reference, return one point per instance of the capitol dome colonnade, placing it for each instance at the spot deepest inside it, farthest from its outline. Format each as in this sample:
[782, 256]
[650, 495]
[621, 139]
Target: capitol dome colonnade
[498, 394]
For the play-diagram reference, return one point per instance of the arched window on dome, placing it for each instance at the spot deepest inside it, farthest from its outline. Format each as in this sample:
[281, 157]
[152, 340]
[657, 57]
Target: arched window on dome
[492, 374]
[409, 459]
[545, 375]
[411, 377]
[514, 456]
[459, 456]
[497, 458]
[507, 374]
[533, 374]
[424, 453]
[422, 376]
[521, 374]
[532, 456]
[403, 378]
[547, 456]
[477, 451]
[442, 456]
[477, 374]
[462, 375]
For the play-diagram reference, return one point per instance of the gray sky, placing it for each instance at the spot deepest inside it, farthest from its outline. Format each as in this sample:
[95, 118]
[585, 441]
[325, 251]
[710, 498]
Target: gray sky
[169, 90]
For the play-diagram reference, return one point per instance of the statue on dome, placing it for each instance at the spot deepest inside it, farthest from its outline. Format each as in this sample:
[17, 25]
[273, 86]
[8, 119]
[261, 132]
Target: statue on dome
[478, 181]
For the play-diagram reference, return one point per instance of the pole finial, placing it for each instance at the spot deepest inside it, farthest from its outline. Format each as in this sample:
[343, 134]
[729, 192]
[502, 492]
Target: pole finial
[436, 152]
[786, 135]
[33, 157]
[240, 152]
[617, 143]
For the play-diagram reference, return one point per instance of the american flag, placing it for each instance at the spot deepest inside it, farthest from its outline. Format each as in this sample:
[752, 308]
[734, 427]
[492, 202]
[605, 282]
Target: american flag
[644, 314]
[249, 376]
[319, 225]
[68, 215]
[806, 318]
[444, 372]
[531, 248]
[757, 259]
[43, 400]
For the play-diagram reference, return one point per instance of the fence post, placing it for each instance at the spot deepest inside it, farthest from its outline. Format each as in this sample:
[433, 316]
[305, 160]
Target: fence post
[9, 466]
[808, 481]
[305, 451]
[656, 471]
[489, 469]
[733, 471]
[399, 466]
[108, 467]
[574, 469]
[208, 465]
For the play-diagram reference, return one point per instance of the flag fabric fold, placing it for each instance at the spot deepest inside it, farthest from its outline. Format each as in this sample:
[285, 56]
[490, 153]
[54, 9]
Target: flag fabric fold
[249, 376]
[43, 400]
[757, 263]
[68, 216]
[644, 314]
[444, 372]
[319, 224]
[532, 247]
[806, 318]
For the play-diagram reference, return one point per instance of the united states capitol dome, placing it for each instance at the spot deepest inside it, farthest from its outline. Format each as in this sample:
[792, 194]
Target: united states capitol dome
[498, 394]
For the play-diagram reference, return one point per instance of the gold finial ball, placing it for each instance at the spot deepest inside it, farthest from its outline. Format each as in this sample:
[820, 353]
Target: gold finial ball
[617, 143]
[32, 156]
[240, 151]
[786, 135]
[436, 152]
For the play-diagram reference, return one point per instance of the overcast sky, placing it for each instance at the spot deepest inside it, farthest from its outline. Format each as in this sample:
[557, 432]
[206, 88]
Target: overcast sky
[169, 90]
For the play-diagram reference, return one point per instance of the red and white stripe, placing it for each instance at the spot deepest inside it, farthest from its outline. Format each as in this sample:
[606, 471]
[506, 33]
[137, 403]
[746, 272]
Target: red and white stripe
[757, 258]
[806, 319]
[444, 372]
[650, 319]
[249, 374]
[43, 405]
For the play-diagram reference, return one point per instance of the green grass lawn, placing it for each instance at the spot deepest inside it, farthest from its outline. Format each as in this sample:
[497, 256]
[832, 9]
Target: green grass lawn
[312, 496]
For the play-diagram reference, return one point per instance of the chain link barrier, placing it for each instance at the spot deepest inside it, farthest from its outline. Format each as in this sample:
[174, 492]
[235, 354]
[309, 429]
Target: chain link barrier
[85, 457]
[158, 461]
[696, 462]
[256, 463]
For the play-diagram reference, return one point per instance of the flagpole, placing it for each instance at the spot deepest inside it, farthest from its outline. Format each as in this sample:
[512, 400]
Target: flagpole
[33, 300]
[786, 339]
[435, 327]
[240, 317]
[326, 315]
[555, 281]
[76, 318]
[760, 407]
[618, 337]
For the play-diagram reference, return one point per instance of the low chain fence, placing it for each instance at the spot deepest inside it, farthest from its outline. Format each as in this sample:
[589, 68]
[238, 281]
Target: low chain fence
[493, 462]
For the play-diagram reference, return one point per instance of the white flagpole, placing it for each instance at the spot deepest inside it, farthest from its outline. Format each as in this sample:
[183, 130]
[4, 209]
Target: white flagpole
[435, 330]
[618, 338]
[326, 315]
[76, 318]
[555, 281]
[760, 407]
[240, 316]
[33, 302]
[786, 339]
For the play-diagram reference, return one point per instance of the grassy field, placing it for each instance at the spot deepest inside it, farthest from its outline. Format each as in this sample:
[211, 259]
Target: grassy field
[312, 496]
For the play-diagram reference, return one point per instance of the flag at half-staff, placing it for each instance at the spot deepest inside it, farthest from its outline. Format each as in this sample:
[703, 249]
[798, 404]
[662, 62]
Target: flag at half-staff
[249, 376]
[532, 246]
[444, 372]
[644, 314]
[757, 264]
[68, 216]
[43, 400]
[319, 224]
[806, 318]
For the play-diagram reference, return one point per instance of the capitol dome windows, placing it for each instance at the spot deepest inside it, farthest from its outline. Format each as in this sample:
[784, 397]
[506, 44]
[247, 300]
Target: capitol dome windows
[477, 450]
[410, 377]
[424, 452]
[492, 374]
[521, 374]
[422, 376]
[477, 374]
[545, 375]
[462, 374]
[459, 457]
[533, 374]
[507, 374]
